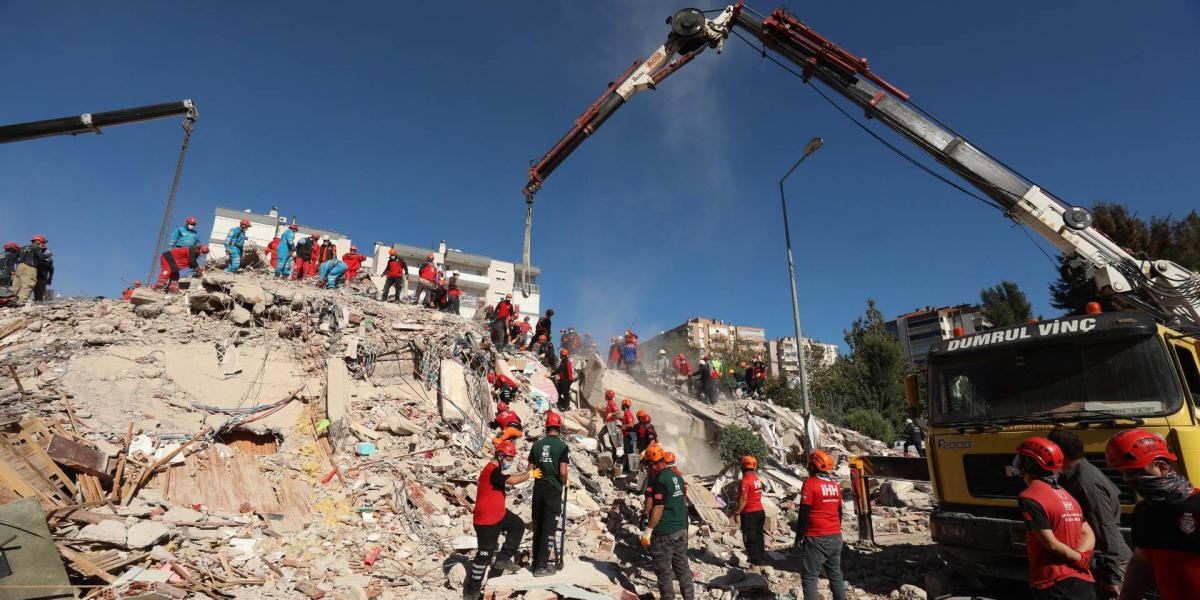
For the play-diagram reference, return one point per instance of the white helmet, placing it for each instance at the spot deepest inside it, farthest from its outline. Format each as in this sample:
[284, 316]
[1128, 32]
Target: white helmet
[324, 238]
[662, 350]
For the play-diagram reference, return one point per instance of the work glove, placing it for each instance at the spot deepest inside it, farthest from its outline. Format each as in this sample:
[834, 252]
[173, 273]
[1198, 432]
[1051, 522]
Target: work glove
[535, 473]
[645, 539]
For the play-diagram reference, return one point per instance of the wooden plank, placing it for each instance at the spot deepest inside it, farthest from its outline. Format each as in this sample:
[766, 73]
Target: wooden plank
[225, 484]
[14, 454]
[146, 474]
[11, 327]
[705, 503]
[85, 566]
[78, 456]
[116, 489]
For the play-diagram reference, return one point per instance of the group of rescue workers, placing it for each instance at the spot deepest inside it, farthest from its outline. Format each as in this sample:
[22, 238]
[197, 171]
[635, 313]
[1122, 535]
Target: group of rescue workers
[25, 272]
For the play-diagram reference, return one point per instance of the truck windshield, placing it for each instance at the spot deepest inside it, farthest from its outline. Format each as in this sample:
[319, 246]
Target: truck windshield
[1129, 376]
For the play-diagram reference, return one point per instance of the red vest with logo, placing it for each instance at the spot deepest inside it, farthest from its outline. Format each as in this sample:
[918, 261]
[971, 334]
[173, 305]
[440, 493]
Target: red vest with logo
[1066, 521]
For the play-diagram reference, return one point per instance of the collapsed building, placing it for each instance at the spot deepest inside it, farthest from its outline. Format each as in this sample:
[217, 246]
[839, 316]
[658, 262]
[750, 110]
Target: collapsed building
[260, 438]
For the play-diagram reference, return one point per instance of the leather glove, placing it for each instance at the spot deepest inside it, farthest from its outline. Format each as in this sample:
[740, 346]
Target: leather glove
[535, 473]
[645, 539]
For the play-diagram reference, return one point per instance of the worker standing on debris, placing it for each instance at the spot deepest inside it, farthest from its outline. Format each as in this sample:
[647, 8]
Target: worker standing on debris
[914, 437]
[331, 273]
[29, 260]
[611, 435]
[645, 431]
[614, 352]
[749, 513]
[8, 263]
[548, 456]
[1058, 539]
[303, 258]
[234, 242]
[504, 311]
[1166, 538]
[544, 325]
[273, 254]
[45, 276]
[174, 261]
[1099, 499]
[819, 527]
[426, 282]
[128, 293]
[394, 273]
[453, 294]
[563, 376]
[666, 534]
[508, 423]
[326, 251]
[287, 251]
[646, 479]
[492, 518]
[524, 330]
[186, 236]
[704, 381]
[353, 261]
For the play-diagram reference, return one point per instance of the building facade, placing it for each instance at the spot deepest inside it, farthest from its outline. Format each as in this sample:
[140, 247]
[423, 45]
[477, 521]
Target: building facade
[918, 330]
[263, 229]
[783, 361]
[707, 335]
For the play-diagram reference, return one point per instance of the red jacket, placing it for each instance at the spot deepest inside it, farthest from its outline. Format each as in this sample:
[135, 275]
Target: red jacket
[395, 268]
[353, 261]
[504, 308]
[185, 258]
[428, 272]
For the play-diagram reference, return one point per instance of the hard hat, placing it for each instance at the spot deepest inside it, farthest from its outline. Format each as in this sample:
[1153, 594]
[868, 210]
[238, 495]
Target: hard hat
[526, 318]
[190, 221]
[315, 236]
[609, 394]
[38, 238]
[392, 252]
[506, 448]
[626, 403]
[549, 312]
[568, 329]
[542, 337]
[654, 454]
[662, 351]
[508, 296]
[553, 419]
[428, 257]
[908, 421]
[324, 238]
[293, 227]
[354, 248]
[11, 246]
[244, 223]
[821, 461]
[749, 462]
[669, 456]
[1136, 449]
[642, 415]
[564, 352]
[204, 249]
[1045, 453]
[501, 407]
[137, 282]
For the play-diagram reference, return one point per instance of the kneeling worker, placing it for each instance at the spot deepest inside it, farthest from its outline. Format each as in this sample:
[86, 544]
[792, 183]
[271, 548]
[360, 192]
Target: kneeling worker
[492, 518]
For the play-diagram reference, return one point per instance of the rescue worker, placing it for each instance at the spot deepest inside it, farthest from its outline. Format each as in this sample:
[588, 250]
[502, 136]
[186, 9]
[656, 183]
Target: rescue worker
[704, 381]
[646, 466]
[544, 326]
[186, 236]
[504, 387]
[612, 428]
[614, 352]
[685, 373]
[914, 437]
[749, 513]
[628, 431]
[547, 355]
[310, 267]
[819, 527]
[563, 375]
[394, 273]
[303, 256]
[666, 532]
[1099, 499]
[1166, 542]
[1058, 541]
[426, 282]
[524, 330]
[662, 366]
[326, 251]
[504, 312]
[287, 250]
[273, 254]
[645, 431]
[508, 423]
[234, 242]
[549, 456]
[353, 261]
[8, 263]
[29, 260]
[45, 276]
[492, 518]
[174, 261]
[331, 273]
[128, 293]
[453, 295]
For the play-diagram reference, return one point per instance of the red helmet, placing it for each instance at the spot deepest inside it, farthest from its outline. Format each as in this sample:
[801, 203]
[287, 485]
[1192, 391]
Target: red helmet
[38, 238]
[643, 416]
[1135, 449]
[244, 223]
[501, 407]
[564, 352]
[506, 448]
[428, 257]
[822, 461]
[190, 221]
[293, 227]
[1045, 453]
[11, 246]
[609, 394]
[553, 419]
[204, 249]
[626, 403]
[315, 236]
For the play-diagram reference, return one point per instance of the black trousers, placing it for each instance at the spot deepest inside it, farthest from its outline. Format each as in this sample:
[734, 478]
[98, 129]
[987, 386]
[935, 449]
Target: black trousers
[564, 394]
[547, 504]
[1067, 589]
[392, 282]
[752, 536]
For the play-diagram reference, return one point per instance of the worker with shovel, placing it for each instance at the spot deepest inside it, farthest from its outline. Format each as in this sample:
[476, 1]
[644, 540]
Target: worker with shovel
[548, 456]
[492, 518]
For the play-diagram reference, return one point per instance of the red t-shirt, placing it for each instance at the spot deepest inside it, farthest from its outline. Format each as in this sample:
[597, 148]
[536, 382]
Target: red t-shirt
[752, 491]
[1050, 507]
[627, 419]
[1171, 534]
[825, 498]
[503, 309]
[505, 418]
[489, 497]
[611, 411]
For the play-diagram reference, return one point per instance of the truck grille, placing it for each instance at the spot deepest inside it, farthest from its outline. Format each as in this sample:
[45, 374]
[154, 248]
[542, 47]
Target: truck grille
[987, 476]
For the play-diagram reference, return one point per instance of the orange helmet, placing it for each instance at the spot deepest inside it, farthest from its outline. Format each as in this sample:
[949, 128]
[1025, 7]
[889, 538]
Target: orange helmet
[654, 454]
[626, 403]
[1135, 449]
[392, 252]
[749, 462]
[506, 448]
[821, 461]
[669, 456]
[643, 416]
[553, 419]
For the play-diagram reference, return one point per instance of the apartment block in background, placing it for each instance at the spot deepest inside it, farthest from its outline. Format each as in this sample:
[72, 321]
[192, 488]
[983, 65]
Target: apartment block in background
[918, 330]
[783, 361]
[706, 335]
[263, 229]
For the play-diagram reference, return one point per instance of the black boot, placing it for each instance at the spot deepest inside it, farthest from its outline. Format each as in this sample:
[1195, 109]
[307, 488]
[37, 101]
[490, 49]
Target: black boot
[503, 564]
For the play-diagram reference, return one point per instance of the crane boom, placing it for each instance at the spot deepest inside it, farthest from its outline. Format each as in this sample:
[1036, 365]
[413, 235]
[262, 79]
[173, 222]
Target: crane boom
[94, 122]
[1161, 287]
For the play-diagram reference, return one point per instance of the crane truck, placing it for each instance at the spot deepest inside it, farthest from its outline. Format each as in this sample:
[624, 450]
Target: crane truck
[1094, 373]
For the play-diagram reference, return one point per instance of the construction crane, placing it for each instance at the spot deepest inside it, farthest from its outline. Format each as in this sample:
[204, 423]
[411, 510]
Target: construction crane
[97, 122]
[1162, 288]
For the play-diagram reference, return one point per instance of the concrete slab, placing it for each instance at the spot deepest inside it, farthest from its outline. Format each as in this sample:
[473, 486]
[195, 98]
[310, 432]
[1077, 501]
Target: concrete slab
[583, 580]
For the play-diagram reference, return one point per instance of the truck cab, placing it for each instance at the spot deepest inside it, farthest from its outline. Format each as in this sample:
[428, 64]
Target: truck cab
[1094, 374]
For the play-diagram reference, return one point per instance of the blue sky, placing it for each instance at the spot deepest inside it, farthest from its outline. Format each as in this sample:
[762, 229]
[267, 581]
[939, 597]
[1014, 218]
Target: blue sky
[414, 122]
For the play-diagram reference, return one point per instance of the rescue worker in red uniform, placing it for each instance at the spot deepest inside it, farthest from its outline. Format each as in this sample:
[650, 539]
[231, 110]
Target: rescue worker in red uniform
[493, 518]
[353, 261]
[128, 293]
[645, 431]
[305, 249]
[628, 425]
[394, 273]
[426, 282]
[563, 375]
[750, 514]
[1058, 539]
[175, 260]
[508, 423]
[500, 319]
[819, 527]
[273, 254]
[1166, 522]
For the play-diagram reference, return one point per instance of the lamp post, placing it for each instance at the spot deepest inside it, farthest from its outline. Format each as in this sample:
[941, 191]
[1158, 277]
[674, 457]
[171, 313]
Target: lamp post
[812, 146]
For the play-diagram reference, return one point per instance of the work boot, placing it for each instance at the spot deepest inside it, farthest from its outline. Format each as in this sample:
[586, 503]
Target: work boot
[503, 564]
[472, 590]
[543, 571]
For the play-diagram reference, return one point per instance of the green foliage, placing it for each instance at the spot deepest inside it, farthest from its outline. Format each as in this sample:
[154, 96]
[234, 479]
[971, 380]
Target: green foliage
[736, 441]
[1005, 305]
[778, 390]
[871, 424]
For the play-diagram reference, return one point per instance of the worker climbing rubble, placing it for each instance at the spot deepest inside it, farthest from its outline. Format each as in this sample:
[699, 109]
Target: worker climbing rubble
[186, 236]
[394, 273]
[493, 519]
[629, 433]
[426, 282]
[563, 375]
[331, 273]
[234, 242]
[287, 252]
[353, 261]
[174, 261]
[500, 320]
[508, 423]
[272, 251]
[548, 461]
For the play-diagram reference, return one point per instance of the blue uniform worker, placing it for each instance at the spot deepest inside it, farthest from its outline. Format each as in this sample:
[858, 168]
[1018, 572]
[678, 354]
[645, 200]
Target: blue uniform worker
[331, 273]
[287, 246]
[233, 245]
[186, 236]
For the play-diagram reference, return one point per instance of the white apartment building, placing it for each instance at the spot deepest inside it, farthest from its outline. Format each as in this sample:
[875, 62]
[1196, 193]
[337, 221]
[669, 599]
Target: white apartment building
[263, 229]
[782, 359]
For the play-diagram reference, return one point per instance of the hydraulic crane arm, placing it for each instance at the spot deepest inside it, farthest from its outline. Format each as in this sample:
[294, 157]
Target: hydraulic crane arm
[1161, 287]
[95, 122]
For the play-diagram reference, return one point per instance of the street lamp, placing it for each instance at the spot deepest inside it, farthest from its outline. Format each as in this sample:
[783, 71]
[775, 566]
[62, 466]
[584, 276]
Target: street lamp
[812, 146]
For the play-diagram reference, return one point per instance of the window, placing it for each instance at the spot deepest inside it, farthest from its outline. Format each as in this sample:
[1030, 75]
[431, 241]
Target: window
[1187, 361]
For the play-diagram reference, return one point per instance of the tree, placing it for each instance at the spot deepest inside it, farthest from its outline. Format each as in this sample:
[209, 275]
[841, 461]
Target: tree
[736, 441]
[872, 425]
[1005, 304]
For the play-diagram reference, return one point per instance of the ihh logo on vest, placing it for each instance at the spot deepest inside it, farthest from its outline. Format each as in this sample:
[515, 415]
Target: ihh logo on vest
[1052, 328]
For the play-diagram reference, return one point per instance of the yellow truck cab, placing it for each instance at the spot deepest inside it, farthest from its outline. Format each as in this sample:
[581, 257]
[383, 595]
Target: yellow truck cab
[1094, 374]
